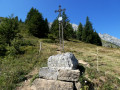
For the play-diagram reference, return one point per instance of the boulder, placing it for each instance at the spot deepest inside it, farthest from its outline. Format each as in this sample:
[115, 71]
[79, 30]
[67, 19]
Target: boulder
[43, 84]
[68, 75]
[63, 61]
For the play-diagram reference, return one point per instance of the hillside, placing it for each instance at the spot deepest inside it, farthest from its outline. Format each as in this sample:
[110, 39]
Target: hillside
[17, 70]
[108, 63]
[108, 60]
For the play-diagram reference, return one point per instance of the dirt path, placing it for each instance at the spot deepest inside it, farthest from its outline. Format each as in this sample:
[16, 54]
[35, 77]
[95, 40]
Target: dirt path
[26, 84]
[84, 63]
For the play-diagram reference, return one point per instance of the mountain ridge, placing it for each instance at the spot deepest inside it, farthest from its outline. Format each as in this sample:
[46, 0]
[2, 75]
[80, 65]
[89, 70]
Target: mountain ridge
[110, 38]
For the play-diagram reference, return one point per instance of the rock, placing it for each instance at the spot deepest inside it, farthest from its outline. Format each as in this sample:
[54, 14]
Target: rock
[55, 74]
[48, 73]
[77, 85]
[63, 61]
[68, 75]
[61, 74]
[43, 84]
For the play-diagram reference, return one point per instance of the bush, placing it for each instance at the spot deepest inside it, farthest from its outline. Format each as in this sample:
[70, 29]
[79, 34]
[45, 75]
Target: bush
[2, 50]
[9, 29]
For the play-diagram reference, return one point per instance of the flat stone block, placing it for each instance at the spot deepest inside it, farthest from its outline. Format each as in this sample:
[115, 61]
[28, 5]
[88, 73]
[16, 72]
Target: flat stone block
[43, 84]
[48, 73]
[68, 75]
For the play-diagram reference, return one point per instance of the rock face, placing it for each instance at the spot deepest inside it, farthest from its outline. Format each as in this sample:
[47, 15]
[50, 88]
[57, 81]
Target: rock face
[109, 38]
[63, 61]
[61, 74]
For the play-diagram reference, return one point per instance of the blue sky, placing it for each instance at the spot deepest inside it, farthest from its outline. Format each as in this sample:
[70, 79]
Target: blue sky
[104, 14]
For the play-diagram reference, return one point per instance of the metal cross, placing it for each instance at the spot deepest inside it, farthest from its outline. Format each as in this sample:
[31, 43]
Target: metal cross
[60, 10]
[60, 23]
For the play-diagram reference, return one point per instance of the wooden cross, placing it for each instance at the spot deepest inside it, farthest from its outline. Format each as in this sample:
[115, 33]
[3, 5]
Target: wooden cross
[60, 23]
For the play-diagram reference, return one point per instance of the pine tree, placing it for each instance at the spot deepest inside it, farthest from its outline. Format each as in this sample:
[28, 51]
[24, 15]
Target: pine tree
[36, 23]
[54, 30]
[97, 40]
[89, 30]
[21, 21]
[69, 33]
[88, 34]
[46, 28]
[67, 28]
[84, 35]
[79, 32]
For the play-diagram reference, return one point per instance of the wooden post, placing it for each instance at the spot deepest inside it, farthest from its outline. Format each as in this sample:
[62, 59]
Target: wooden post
[40, 47]
[62, 37]
[97, 58]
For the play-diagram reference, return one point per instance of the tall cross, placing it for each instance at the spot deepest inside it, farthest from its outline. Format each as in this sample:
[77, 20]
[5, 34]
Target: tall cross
[60, 23]
[60, 10]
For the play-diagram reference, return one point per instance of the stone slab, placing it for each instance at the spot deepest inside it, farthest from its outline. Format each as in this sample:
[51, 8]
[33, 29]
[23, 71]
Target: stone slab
[48, 73]
[61, 74]
[68, 75]
[43, 84]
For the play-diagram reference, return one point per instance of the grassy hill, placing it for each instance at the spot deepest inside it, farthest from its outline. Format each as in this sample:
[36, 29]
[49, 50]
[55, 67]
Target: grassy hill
[14, 69]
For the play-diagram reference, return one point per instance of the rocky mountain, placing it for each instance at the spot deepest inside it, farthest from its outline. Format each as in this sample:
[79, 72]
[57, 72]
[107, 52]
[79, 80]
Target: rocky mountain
[110, 39]
[75, 27]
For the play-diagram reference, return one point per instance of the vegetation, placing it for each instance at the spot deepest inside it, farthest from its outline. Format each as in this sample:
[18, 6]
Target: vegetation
[67, 28]
[36, 24]
[87, 33]
[19, 52]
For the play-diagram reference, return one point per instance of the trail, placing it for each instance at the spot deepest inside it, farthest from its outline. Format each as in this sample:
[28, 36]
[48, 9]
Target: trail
[84, 63]
[26, 84]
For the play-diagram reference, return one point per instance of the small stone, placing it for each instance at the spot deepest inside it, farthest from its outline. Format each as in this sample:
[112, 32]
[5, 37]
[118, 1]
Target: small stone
[78, 85]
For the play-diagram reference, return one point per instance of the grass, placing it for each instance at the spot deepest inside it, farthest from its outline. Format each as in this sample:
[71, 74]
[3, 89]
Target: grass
[14, 69]
[109, 63]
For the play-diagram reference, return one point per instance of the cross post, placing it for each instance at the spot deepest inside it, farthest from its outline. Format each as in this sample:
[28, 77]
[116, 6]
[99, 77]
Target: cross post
[60, 23]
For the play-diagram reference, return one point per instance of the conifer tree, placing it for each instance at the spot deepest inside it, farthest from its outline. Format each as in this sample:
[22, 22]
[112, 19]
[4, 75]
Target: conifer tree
[54, 30]
[46, 27]
[88, 34]
[84, 35]
[36, 23]
[69, 33]
[79, 32]
[96, 40]
[89, 30]
[67, 28]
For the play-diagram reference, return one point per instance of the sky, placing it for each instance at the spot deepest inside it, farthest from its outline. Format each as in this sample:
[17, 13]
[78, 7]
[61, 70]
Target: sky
[103, 14]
